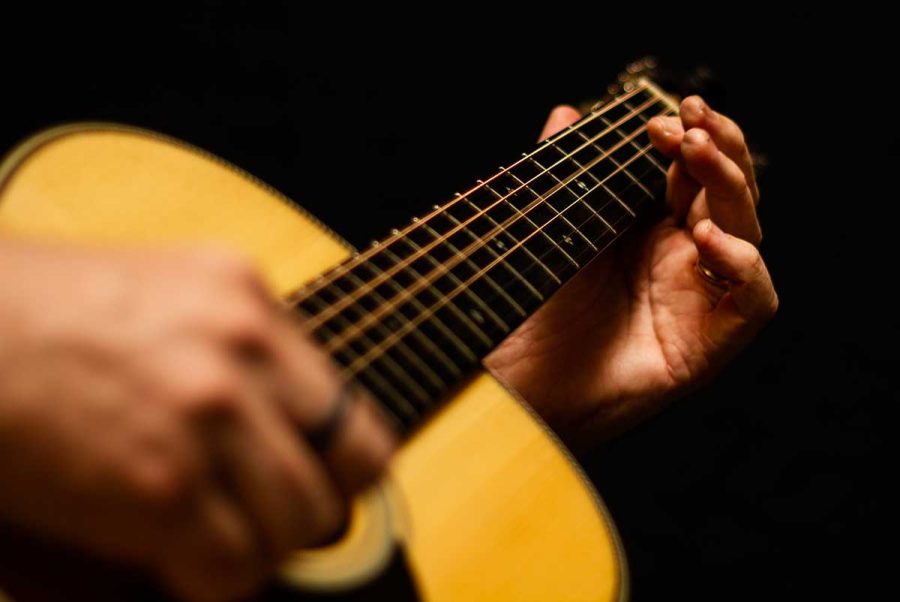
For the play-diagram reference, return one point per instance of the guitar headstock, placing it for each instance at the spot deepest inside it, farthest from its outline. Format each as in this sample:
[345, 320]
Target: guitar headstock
[677, 83]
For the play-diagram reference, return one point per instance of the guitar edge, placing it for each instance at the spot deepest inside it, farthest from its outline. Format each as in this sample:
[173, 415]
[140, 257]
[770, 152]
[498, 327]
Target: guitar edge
[486, 502]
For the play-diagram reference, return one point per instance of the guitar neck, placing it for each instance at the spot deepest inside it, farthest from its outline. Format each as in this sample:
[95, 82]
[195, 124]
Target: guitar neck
[412, 317]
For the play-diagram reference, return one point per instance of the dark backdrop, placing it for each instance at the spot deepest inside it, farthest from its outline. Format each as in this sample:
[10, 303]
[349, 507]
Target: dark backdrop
[766, 484]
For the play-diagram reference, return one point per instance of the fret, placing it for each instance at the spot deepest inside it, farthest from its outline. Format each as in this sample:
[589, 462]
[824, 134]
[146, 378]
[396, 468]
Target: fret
[461, 256]
[557, 163]
[397, 404]
[397, 408]
[630, 123]
[457, 287]
[601, 175]
[588, 189]
[594, 225]
[518, 262]
[621, 158]
[535, 212]
[651, 105]
[640, 141]
[414, 358]
[391, 364]
[450, 367]
[396, 315]
[494, 286]
[555, 229]
[566, 200]
[452, 272]
[508, 250]
[413, 309]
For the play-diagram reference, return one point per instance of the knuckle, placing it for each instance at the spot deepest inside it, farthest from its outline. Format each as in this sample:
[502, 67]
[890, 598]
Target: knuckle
[213, 391]
[379, 443]
[731, 182]
[164, 485]
[244, 321]
[330, 518]
[737, 135]
[233, 550]
[322, 511]
[732, 132]
[772, 308]
[757, 265]
[738, 181]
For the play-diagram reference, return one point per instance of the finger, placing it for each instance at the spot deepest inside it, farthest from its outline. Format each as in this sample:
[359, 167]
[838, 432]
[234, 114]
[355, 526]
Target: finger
[561, 117]
[361, 442]
[213, 554]
[285, 491]
[727, 135]
[751, 299]
[665, 133]
[362, 446]
[681, 191]
[728, 198]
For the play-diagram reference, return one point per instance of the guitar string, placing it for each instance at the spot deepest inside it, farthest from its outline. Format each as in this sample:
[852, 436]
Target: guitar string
[353, 369]
[438, 272]
[359, 258]
[317, 320]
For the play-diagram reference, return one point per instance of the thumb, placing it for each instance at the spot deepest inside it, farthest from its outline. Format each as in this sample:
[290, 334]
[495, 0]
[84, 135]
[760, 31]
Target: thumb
[750, 300]
[560, 117]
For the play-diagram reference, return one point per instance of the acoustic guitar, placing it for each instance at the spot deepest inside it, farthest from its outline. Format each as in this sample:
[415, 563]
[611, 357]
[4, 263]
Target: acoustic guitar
[483, 502]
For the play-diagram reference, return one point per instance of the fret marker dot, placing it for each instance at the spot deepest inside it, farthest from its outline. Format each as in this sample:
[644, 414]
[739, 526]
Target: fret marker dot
[476, 315]
[500, 245]
[567, 239]
[582, 185]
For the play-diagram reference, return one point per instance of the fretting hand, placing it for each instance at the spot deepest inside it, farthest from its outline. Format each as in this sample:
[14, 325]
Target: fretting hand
[641, 326]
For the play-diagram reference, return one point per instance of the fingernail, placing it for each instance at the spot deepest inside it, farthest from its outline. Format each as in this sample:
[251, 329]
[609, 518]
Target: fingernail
[696, 137]
[694, 107]
[660, 125]
[706, 227]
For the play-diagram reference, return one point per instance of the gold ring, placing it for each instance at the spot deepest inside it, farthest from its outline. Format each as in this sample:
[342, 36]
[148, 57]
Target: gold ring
[710, 276]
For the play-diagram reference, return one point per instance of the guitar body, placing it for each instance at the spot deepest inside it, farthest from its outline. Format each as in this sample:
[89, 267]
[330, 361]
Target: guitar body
[483, 502]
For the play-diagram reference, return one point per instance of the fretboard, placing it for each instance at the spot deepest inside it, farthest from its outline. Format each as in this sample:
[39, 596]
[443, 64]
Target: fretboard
[412, 317]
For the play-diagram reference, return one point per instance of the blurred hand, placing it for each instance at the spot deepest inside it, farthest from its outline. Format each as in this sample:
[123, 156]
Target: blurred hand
[639, 326]
[153, 409]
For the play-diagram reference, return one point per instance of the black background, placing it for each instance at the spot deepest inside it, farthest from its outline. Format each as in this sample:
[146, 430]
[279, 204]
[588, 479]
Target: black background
[767, 484]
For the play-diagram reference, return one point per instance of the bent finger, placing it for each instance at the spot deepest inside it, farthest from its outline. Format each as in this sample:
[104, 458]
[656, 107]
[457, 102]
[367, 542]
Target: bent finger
[284, 489]
[356, 441]
[727, 135]
[751, 299]
[666, 132]
[728, 198]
